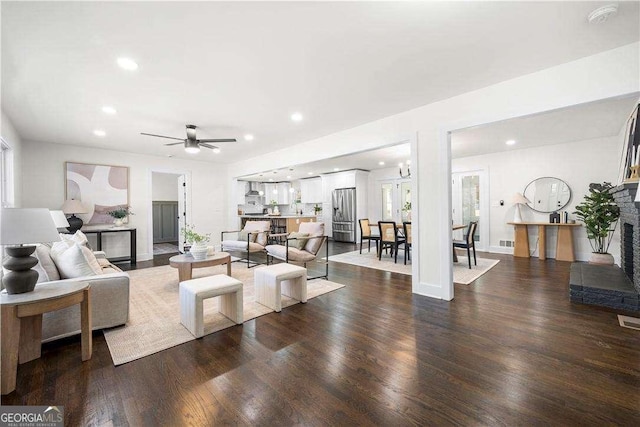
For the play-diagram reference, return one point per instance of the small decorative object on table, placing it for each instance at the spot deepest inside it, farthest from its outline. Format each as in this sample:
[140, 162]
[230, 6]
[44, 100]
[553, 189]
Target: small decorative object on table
[198, 248]
[407, 208]
[119, 214]
[600, 214]
[554, 217]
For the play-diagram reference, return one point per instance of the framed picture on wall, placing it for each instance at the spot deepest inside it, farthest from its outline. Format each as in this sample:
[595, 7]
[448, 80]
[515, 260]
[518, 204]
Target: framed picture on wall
[100, 188]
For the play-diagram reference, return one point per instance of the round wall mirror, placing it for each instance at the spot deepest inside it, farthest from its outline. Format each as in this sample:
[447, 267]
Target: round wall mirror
[547, 194]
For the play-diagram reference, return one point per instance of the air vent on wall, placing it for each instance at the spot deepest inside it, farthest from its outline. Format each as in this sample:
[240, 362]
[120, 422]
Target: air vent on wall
[507, 243]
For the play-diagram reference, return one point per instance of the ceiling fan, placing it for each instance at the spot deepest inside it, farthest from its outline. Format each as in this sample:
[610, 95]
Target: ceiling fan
[191, 144]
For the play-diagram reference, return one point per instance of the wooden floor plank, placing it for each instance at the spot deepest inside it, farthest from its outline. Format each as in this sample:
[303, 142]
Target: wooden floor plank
[511, 349]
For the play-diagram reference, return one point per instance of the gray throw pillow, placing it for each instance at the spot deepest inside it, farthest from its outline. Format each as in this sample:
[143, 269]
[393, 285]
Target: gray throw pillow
[300, 240]
[243, 235]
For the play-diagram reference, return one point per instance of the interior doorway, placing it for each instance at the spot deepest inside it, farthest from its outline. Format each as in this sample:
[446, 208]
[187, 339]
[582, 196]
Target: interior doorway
[395, 200]
[166, 198]
[470, 202]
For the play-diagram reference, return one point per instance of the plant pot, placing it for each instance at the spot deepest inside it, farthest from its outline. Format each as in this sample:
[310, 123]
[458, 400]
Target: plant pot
[603, 259]
[118, 222]
[198, 251]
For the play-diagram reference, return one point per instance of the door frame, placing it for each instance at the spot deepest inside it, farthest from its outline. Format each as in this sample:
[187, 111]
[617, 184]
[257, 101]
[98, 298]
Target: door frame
[396, 195]
[485, 220]
[187, 179]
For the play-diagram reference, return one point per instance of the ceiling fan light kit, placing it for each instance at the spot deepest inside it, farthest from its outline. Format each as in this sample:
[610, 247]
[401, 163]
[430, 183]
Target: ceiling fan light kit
[191, 143]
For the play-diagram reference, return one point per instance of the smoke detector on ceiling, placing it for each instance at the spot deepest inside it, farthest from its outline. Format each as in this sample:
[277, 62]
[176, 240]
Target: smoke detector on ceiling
[603, 13]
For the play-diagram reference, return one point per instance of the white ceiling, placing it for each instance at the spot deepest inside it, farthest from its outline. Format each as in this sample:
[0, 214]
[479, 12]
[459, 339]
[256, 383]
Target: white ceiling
[243, 67]
[582, 122]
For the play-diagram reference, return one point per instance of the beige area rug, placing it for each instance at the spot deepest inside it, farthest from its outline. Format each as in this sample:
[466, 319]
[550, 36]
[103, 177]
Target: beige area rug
[461, 272]
[154, 310]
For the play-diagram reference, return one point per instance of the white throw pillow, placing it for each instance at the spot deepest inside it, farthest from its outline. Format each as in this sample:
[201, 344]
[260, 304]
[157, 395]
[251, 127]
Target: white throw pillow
[74, 261]
[79, 237]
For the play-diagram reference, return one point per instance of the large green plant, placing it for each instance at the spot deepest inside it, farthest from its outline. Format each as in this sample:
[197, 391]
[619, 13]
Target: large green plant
[600, 214]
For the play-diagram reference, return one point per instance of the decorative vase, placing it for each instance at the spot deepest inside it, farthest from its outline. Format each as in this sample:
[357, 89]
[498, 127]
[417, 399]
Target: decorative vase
[603, 259]
[198, 251]
[118, 222]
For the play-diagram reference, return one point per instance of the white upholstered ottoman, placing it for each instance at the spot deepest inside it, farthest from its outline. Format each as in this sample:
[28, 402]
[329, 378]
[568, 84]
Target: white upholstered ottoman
[273, 281]
[194, 292]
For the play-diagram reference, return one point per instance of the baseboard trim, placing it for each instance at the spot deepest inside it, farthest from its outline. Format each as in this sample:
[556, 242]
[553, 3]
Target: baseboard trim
[428, 290]
[500, 250]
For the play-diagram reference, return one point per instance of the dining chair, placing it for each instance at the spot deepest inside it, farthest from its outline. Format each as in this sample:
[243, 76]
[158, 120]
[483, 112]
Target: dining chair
[406, 226]
[468, 243]
[365, 234]
[389, 238]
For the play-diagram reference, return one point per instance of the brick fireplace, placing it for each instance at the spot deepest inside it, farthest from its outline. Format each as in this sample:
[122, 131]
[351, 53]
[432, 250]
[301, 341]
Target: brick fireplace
[624, 196]
[610, 285]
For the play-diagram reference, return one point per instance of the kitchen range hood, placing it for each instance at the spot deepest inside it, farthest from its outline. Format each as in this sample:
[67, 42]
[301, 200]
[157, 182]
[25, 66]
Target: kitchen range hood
[253, 189]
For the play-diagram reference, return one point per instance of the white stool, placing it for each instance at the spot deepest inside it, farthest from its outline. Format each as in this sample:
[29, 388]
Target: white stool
[194, 292]
[273, 281]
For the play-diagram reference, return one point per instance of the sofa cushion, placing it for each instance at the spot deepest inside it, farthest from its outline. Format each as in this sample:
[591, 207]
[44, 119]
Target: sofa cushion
[43, 253]
[74, 261]
[78, 237]
[314, 229]
[237, 245]
[279, 251]
[301, 240]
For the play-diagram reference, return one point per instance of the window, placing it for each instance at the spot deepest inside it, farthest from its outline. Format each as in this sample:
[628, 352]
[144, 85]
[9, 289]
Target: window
[6, 167]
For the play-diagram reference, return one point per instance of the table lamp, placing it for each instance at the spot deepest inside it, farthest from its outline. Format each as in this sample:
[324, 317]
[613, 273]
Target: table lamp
[73, 207]
[59, 220]
[20, 227]
[518, 199]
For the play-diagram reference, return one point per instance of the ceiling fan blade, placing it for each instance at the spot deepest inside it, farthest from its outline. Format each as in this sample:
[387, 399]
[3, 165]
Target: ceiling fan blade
[212, 147]
[162, 136]
[217, 140]
[174, 143]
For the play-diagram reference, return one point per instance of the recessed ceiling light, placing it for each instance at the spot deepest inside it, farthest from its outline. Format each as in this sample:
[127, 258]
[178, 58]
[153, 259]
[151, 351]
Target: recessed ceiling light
[511, 142]
[108, 110]
[99, 132]
[216, 150]
[381, 163]
[309, 173]
[296, 117]
[288, 176]
[248, 137]
[127, 64]
[336, 169]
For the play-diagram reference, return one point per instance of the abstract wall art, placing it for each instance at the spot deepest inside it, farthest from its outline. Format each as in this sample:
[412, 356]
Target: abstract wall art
[101, 188]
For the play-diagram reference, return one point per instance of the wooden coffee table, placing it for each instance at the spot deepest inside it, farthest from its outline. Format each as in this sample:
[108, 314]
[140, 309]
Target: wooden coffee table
[185, 263]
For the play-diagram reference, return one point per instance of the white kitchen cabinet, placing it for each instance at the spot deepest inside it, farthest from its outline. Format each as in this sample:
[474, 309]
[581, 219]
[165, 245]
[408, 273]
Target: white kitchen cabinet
[284, 194]
[311, 190]
[241, 190]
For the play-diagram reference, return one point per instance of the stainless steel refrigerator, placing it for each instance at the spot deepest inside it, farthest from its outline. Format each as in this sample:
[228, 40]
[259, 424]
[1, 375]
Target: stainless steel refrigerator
[344, 215]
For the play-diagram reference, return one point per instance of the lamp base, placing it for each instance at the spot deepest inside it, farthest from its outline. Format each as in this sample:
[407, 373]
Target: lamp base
[517, 216]
[21, 278]
[75, 223]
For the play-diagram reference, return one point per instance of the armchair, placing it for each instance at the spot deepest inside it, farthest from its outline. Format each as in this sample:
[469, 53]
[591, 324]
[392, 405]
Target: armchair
[250, 240]
[305, 252]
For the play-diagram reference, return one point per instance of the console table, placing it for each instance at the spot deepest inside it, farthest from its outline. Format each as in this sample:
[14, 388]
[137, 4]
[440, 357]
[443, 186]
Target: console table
[564, 245]
[132, 234]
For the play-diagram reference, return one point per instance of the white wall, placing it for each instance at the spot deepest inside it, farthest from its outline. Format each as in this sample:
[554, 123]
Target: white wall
[577, 163]
[608, 74]
[11, 137]
[44, 187]
[165, 187]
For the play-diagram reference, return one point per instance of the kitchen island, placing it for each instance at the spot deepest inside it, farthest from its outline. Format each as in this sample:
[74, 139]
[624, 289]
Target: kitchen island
[280, 223]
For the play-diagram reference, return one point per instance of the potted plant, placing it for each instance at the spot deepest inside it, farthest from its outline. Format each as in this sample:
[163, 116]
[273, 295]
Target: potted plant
[197, 241]
[407, 208]
[600, 214]
[119, 214]
[317, 209]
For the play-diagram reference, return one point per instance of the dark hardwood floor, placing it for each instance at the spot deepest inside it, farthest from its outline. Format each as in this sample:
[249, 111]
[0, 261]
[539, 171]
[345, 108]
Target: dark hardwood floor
[509, 350]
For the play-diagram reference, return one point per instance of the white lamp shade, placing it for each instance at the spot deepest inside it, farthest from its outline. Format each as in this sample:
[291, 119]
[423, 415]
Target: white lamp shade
[73, 207]
[519, 198]
[59, 219]
[20, 226]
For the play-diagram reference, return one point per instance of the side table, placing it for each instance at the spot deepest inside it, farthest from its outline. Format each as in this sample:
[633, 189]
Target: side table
[22, 324]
